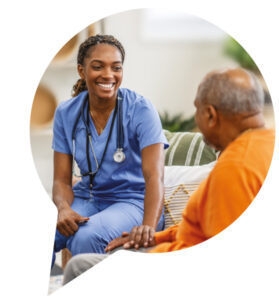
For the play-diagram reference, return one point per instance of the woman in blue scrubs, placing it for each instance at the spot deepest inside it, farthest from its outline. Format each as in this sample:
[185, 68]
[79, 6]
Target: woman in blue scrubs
[116, 196]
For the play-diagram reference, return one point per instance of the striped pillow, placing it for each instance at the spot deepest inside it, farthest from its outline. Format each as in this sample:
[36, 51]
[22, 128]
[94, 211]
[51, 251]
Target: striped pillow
[187, 149]
[176, 198]
[179, 183]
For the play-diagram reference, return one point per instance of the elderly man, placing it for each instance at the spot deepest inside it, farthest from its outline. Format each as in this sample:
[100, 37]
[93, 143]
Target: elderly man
[229, 114]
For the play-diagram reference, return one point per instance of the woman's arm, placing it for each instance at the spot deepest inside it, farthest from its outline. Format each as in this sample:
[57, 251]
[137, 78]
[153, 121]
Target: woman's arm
[153, 172]
[62, 193]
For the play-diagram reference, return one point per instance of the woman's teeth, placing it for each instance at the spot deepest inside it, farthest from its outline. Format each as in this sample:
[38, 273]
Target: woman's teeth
[106, 86]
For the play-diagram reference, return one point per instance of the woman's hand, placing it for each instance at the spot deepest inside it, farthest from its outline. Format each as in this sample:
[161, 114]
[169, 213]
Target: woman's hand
[141, 236]
[68, 221]
[130, 240]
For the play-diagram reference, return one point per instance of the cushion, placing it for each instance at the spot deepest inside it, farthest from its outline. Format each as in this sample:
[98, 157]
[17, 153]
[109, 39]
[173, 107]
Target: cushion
[180, 182]
[187, 149]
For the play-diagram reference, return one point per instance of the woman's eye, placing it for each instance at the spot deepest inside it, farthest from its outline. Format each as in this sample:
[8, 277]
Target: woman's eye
[117, 68]
[97, 68]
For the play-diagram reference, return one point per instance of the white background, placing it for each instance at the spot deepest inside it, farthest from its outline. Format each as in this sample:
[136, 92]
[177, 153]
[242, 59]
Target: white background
[240, 263]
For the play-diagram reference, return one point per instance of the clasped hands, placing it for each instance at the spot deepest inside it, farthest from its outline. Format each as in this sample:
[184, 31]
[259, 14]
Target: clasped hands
[140, 236]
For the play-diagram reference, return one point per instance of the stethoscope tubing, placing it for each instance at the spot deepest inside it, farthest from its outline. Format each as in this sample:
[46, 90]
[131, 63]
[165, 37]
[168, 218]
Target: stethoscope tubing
[120, 136]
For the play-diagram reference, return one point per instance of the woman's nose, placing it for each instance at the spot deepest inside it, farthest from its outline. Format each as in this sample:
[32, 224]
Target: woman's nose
[107, 73]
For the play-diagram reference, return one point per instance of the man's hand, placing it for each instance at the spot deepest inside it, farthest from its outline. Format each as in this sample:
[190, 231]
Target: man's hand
[141, 236]
[120, 241]
[68, 220]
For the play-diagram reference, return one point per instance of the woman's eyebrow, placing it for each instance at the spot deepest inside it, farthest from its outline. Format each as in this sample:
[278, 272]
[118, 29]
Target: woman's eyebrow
[96, 60]
[100, 61]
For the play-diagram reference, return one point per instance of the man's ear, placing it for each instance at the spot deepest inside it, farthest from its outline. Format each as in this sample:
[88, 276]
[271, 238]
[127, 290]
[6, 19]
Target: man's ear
[80, 70]
[212, 116]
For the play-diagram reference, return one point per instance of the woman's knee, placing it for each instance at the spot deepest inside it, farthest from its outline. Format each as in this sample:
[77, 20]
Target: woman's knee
[88, 240]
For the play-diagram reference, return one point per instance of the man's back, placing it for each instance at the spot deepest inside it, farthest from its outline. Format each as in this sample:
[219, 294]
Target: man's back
[229, 189]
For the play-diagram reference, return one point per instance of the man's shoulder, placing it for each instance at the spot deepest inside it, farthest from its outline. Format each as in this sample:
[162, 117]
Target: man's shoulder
[250, 153]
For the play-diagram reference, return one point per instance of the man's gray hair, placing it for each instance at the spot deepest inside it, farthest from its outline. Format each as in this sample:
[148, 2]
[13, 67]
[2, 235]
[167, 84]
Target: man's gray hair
[231, 94]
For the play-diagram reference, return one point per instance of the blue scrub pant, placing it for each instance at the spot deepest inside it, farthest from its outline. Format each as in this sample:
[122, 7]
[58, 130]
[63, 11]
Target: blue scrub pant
[108, 219]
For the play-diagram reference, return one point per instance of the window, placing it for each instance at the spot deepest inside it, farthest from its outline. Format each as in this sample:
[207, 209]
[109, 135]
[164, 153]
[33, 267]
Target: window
[160, 24]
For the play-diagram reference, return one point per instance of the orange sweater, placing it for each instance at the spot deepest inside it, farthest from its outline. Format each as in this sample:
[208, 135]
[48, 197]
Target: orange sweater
[229, 189]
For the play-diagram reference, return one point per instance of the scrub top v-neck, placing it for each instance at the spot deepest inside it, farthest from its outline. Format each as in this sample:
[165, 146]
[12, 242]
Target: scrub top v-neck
[105, 131]
[114, 181]
[99, 141]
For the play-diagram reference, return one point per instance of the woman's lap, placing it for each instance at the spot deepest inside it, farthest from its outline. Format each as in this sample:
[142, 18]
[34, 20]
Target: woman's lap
[107, 221]
[105, 226]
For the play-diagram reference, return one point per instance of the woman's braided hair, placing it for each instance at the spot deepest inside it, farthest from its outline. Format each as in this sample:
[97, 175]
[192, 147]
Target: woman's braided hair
[83, 53]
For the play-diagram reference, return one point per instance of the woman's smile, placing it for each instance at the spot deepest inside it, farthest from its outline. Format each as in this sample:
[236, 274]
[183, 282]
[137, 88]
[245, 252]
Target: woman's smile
[106, 86]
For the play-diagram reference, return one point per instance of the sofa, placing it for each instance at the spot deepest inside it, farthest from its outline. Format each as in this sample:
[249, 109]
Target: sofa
[188, 161]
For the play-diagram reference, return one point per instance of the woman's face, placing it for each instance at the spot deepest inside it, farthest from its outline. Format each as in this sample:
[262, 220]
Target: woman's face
[102, 70]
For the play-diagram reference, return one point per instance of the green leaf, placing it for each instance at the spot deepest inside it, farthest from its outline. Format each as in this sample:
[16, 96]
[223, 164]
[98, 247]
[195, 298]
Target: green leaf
[177, 122]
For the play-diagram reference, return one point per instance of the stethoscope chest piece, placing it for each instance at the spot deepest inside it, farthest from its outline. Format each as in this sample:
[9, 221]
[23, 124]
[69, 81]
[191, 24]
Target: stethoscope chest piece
[119, 155]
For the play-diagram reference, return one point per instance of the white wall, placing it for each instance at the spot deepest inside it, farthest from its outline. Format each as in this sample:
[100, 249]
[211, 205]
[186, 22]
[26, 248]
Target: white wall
[165, 71]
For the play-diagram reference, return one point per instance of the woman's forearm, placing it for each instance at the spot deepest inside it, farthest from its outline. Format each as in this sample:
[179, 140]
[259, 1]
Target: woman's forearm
[62, 195]
[153, 172]
[154, 200]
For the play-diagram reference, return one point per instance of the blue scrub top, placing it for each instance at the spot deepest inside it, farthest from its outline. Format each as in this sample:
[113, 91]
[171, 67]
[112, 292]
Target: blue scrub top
[114, 181]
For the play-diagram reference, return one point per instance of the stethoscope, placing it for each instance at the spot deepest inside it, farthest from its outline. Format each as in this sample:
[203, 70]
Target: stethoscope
[118, 156]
